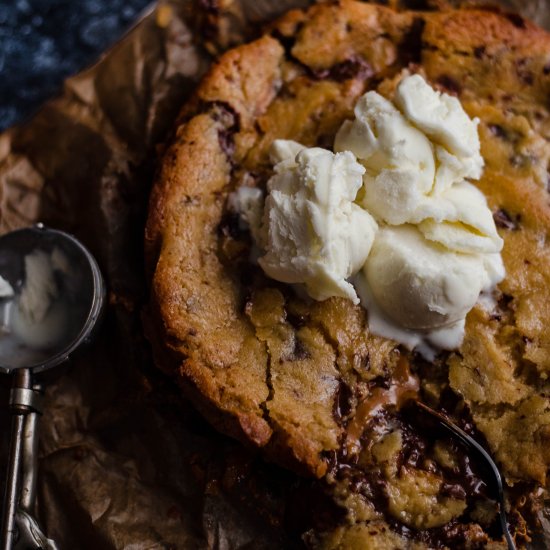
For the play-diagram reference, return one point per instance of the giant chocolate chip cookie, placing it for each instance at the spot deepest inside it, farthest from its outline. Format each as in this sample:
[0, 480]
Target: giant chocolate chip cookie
[304, 380]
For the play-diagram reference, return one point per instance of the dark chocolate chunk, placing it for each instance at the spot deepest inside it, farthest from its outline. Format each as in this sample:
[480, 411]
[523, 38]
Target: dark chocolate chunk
[230, 122]
[297, 321]
[418, 5]
[498, 131]
[516, 19]
[454, 490]
[506, 134]
[342, 402]
[299, 351]
[450, 84]
[414, 448]
[230, 226]
[505, 220]
[410, 49]
[479, 52]
[287, 42]
[523, 73]
[355, 67]
[505, 300]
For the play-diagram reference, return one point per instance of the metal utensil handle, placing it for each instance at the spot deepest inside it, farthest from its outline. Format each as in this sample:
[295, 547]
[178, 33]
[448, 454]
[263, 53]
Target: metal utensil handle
[471, 443]
[21, 381]
[29, 468]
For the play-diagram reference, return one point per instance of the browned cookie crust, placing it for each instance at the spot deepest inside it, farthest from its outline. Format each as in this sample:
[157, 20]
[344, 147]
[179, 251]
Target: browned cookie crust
[296, 377]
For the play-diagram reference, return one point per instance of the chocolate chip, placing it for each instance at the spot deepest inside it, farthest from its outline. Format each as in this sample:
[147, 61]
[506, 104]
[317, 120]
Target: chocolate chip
[504, 133]
[468, 477]
[498, 131]
[226, 141]
[504, 301]
[413, 452]
[325, 141]
[450, 84]
[454, 490]
[296, 320]
[230, 122]
[361, 361]
[419, 5]
[516, 20]
[524, 74]
[298, 353]
[546, 69]
[342, 402]
[287, 42]
[230, 226]
[505, 220]
[410, 49]
[354, 67]
[479, 52]
[380, 382]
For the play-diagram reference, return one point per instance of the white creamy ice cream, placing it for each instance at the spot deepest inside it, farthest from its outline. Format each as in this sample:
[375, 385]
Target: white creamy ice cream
[443, 120]
[40, 318]
[6, 290]
[398, 158]
[421, 286]
[311, 232]
[430, 247]
[437, 248]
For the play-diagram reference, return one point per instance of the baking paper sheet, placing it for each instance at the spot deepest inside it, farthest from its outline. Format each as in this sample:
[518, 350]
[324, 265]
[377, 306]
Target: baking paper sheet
[125, 462]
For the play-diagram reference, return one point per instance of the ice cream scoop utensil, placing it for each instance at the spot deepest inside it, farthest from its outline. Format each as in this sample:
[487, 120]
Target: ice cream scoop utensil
[55, 297]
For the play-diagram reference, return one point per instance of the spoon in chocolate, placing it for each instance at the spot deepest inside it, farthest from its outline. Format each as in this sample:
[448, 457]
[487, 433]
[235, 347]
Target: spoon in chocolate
[51, 296]
[477, 450]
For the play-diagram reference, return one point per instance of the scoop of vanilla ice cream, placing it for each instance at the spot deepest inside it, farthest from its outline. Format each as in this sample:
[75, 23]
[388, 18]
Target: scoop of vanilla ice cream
[443, 120]
[315, 234]
[413, 156]
[422, 286]
[461, 221]
[249, 201]
[284, 151]
[398, 158]
[437, 247]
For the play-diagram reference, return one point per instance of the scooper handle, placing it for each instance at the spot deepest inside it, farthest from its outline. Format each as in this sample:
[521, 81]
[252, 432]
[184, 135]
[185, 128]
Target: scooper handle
[21, 393]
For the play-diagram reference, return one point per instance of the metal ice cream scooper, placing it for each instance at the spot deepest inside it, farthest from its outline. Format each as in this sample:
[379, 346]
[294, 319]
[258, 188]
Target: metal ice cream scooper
[52, 295]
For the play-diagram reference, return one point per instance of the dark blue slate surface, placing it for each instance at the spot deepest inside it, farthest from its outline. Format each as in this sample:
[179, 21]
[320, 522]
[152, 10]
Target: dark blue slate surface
[44, 41]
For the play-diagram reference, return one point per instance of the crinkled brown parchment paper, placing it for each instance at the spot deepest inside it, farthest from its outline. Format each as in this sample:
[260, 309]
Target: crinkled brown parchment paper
[124, 461]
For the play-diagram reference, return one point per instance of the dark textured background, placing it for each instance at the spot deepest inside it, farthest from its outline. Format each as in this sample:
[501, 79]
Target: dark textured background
[44, 41]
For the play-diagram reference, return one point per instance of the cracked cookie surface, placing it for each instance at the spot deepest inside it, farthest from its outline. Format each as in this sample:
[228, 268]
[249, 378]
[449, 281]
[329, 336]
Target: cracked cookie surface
[298, 378]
